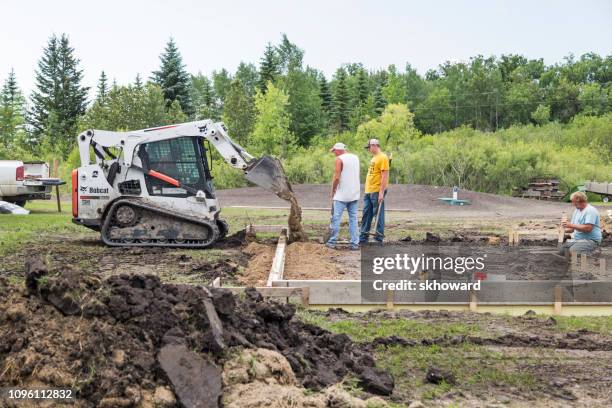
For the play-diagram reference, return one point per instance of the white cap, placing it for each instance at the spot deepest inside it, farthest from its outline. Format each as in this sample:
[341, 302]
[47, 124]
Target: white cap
[338, 146]
[372, 142]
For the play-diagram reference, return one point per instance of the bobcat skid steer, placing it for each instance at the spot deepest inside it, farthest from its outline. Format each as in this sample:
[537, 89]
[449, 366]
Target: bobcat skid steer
[153, 187]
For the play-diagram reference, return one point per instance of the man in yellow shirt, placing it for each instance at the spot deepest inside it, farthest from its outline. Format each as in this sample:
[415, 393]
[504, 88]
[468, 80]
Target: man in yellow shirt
[376, 184]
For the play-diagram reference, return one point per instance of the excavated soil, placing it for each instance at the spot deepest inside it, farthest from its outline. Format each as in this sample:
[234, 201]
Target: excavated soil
[258, 268]
[310, 260]
[303, 260]
[130, 340]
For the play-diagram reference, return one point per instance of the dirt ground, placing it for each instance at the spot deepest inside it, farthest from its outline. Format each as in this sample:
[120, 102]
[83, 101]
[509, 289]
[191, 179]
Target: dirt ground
[421, 200]
[482, 360]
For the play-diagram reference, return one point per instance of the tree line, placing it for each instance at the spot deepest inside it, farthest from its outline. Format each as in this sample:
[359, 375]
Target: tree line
[281, 106]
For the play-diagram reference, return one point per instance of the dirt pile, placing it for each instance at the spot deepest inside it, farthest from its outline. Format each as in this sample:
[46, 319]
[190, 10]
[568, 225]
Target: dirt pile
[310, 260]
[267, 381]
[258, 267]
[128, 340]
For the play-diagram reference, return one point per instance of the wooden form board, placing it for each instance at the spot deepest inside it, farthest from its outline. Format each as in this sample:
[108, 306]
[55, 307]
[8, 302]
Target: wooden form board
[278, 263]
[553, 293]
[303, 293]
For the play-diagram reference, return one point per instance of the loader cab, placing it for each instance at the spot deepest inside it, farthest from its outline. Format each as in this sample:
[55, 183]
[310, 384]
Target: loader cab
[183, 159]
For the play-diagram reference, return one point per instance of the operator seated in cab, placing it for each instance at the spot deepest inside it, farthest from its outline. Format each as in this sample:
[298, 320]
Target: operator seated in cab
[585, 225]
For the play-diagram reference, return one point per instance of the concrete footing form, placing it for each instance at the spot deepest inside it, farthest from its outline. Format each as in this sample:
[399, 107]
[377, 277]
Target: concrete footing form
[561, 297]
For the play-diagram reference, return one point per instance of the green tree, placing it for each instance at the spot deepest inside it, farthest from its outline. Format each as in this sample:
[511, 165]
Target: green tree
[137, 82]
[325, 95]
[341, 99]
[130, 108]
[59, 98]
[362, 88]
[248, 75]
[541, 115]
[395, 89]
[238, 112]
[204, 98]
[290, 56]
[268, 67]
[221, 85]
[394, 127]
[271, 134]
[102, 87]
[173, 78]
[379, 100]
[302, 89]
[436, 113]
[11, 111]
[594, 99]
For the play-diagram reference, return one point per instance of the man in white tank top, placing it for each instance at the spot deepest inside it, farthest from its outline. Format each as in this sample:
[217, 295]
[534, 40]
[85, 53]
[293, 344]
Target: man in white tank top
[345, 194]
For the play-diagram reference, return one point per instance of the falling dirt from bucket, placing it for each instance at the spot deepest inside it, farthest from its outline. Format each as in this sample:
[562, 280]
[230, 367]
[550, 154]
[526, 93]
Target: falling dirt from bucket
[268, 172]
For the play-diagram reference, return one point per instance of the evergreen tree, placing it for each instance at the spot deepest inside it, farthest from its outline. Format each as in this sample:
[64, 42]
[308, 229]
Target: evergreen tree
[102, 87]
[362, 90]
[379, 100]
[341, 99]
[268, 68]
[325, 95]
[248, 75]
[238, 112]
[221, 84]
[59, 98]
[203, 97]
[11, 110]
[137, 82]
[302, 89]
[173, 78]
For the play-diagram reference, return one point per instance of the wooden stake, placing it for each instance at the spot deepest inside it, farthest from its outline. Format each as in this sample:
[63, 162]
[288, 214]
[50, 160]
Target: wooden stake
[57, 197]
[305, 296]
[558, 300]
[510, 237]
[473, 302]
[602, 264]
[584, 263]
[390, 299]
[561, 229]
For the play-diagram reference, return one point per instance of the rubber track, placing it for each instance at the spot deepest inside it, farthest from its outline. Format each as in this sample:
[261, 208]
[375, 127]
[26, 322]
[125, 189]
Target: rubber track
[170, 243]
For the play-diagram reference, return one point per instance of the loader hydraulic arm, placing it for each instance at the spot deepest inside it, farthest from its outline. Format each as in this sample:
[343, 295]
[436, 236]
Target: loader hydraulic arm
[266, 171]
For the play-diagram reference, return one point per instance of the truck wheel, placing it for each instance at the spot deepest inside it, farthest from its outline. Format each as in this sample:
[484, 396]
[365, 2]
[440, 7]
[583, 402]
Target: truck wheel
[605, 199]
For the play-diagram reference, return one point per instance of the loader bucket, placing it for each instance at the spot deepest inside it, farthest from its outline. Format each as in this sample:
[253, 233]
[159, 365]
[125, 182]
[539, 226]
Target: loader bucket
[268, 173]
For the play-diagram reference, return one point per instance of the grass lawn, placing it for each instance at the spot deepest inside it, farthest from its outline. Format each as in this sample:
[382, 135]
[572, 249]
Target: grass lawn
[477, 369]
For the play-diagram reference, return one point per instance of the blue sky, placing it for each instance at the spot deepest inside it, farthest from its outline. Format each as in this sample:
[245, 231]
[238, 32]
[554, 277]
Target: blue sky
[126, 37]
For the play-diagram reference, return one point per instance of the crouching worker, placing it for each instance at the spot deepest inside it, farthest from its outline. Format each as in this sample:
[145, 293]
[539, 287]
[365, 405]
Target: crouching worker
[345, 194]
[585, 226]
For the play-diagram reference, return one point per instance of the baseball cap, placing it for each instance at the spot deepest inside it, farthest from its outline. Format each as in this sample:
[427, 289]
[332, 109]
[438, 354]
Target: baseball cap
[372, 142]
[338, 146]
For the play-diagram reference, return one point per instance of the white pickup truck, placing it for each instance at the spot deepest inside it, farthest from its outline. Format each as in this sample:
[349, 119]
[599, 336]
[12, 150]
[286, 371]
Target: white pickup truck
[23, 181]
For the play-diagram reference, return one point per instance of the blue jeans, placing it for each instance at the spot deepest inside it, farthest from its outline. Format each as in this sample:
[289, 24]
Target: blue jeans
[351, 208]
[370, 211]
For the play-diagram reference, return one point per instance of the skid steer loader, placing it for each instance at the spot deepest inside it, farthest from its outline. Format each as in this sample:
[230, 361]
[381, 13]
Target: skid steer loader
[153, 187]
